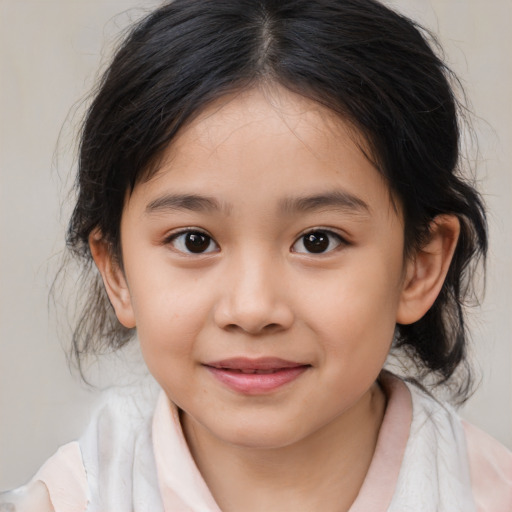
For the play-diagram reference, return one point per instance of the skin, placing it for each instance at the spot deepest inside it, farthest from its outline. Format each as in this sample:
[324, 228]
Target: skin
[257, 291]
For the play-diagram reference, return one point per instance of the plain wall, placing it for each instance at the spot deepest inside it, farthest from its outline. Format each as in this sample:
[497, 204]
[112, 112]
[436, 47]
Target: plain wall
[50, 51]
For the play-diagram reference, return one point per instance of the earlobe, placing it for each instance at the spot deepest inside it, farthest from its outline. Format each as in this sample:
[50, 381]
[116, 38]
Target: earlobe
[113, 277]
[427, 269]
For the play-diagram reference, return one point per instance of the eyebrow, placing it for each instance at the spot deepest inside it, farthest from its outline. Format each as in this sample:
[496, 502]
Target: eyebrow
[192, 202]
[336, 199]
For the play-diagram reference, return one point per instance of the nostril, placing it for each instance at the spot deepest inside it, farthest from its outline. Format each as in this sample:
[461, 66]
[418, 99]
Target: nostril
[266, 329]
[231, 327]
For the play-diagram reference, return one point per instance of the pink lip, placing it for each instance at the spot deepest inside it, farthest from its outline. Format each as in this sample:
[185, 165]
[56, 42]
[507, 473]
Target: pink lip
[256, 376]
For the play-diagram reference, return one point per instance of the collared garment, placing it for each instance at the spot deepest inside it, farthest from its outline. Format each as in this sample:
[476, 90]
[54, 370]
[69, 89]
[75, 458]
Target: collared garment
[134, 458]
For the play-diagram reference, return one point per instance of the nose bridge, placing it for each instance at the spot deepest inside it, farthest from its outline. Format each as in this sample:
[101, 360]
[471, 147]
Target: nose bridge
[255, 279]
[255, 297]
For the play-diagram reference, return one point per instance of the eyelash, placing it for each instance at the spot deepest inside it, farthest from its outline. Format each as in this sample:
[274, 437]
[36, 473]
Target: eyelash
[318, 237]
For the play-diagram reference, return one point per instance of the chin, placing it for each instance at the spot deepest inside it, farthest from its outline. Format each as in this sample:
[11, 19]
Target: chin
[260, 436]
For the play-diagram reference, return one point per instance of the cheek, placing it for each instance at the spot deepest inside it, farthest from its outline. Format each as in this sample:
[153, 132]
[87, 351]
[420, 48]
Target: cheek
[354, 312]
[360, 295]
[169, 313]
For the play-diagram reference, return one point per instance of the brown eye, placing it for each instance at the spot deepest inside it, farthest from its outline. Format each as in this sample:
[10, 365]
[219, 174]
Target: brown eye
[195, 242]
[317, 242]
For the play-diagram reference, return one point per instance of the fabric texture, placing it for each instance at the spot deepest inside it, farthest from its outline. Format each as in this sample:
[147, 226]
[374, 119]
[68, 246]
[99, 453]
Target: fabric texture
[134, 457]
[491, 471]
[66, 480]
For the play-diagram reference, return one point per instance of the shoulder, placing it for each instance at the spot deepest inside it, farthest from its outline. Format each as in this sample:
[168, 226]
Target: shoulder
[121, 419]
[70, 479]
[60, 485]
[434, 471]
[491, 470]
[117, 450]
[65, 479]
[33, 497]
[488, 463]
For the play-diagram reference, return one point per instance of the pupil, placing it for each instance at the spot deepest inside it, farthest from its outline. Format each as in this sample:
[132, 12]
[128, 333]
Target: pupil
[197, 242]
[316, 242]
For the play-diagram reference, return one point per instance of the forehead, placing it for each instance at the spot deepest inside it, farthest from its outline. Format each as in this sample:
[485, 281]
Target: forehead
[266, 113]
[270, 141]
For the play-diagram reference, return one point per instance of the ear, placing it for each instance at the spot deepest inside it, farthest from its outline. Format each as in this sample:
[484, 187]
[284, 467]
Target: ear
[426, 270]
[113, 278]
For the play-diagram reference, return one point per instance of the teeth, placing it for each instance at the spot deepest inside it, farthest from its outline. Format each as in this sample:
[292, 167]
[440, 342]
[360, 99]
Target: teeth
[248, 371]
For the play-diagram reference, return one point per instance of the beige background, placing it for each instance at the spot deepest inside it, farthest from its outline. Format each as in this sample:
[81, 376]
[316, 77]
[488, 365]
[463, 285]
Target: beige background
[49, 55]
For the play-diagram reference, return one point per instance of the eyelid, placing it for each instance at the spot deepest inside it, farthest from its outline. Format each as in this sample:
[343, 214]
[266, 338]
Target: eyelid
[187, 229]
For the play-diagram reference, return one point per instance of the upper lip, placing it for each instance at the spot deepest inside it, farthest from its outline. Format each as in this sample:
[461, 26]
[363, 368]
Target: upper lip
[261, 363]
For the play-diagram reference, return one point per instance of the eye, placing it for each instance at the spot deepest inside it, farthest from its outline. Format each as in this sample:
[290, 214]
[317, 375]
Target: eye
[317, 242]
[195, 242]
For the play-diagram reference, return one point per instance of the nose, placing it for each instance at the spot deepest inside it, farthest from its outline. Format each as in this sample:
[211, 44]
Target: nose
[254, 298]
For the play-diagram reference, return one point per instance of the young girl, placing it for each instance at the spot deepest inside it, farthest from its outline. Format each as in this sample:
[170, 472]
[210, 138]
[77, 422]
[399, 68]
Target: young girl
[271, 194]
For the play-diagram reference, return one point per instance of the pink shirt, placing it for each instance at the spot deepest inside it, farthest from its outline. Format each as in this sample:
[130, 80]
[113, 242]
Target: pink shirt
[181, 486]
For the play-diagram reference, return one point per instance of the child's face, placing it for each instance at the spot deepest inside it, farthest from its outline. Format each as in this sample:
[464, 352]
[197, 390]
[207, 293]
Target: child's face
[265, 234]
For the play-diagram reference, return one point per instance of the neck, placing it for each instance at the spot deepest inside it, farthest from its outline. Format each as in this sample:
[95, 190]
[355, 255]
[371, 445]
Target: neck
[324, 471]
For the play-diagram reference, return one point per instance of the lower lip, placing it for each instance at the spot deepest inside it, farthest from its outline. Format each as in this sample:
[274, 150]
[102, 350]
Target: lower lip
[257, 383]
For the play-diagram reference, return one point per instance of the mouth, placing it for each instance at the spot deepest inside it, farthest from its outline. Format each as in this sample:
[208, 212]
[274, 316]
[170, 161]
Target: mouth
[256, 376]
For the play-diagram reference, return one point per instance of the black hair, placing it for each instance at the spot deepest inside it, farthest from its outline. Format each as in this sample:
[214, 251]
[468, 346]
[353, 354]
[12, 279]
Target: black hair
[375, 68]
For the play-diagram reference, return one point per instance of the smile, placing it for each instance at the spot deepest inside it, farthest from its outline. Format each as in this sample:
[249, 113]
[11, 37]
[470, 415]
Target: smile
[254, 371]
[256, 376]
